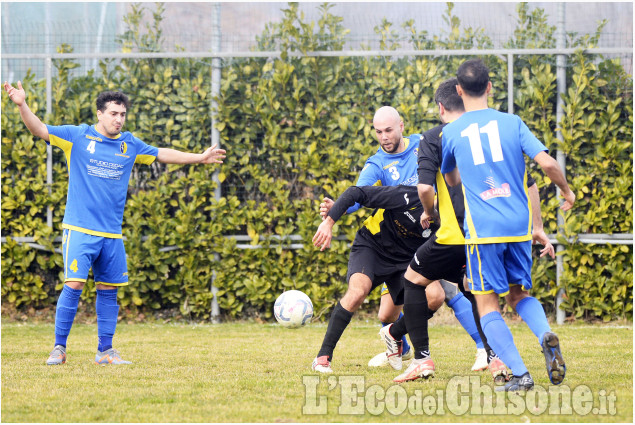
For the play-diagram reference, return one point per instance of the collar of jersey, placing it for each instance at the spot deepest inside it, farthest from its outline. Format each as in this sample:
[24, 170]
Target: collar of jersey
[92, 127]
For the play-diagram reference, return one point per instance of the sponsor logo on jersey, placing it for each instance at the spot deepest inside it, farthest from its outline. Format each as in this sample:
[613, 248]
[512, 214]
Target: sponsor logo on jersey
[105, 164]
[407, 214]
[123, 148]
[391, 164]
[89, 137]
[415, 152]
[412, 181]
[497, 192]
[426, 234]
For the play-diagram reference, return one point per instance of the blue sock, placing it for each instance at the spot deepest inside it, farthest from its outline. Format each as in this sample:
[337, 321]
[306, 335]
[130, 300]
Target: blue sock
[405, 346]
[65, 313]
[107, 311]
[531, 311]
[463, 311]
[501, 340]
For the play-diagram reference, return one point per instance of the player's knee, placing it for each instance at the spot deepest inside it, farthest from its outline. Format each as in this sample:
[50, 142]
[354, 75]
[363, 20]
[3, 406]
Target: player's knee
[435, 295]
[388, 315]
[353, 298]
[75, 284]
[514, 297]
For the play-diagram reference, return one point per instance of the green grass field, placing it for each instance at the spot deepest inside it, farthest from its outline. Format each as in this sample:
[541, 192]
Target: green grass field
[247, 372]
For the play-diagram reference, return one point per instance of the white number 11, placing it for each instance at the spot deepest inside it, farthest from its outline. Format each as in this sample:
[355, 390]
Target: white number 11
[472, 132]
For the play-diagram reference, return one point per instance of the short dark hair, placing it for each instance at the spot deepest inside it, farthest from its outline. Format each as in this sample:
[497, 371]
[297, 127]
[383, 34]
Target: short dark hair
[447, 96]
[117, 97]
[473, 77]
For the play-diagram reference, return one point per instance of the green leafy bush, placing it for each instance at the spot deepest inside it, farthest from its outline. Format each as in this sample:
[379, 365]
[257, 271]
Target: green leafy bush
[297, 129]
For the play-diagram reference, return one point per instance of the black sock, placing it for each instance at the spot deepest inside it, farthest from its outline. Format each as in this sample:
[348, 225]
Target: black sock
[398, 328]
[416, 314]
[340, 318]
[477, 318]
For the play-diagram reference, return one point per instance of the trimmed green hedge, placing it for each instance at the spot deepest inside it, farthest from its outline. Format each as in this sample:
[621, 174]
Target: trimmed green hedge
[297, 129]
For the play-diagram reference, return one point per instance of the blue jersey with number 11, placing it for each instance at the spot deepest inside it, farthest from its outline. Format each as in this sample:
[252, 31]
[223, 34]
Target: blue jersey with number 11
[487, 146]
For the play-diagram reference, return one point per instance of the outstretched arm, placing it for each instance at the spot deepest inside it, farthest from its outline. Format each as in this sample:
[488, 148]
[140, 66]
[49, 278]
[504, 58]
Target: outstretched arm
[387, 197]
[552, 170]
[172, 156]
[538, 234]
[32, 122]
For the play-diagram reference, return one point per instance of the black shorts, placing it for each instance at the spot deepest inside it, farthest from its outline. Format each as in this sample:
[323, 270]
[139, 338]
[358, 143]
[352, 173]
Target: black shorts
[435, 261]
[366, 260]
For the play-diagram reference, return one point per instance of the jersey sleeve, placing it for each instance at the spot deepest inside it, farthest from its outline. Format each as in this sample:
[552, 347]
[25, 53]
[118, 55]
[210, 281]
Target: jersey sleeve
[146, 154]
[428, 161]
[530, 144]
[369, 176]
[386, 197]
[62, 136]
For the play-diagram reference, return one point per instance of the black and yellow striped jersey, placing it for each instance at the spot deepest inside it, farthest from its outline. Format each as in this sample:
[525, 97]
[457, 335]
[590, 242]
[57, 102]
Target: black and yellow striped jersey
[393, 229]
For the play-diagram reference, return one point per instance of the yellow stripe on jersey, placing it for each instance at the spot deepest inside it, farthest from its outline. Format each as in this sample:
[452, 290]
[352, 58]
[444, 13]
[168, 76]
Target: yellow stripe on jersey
[373, 222]
[145, 159]
[468, 218]
[92, 232]
[528, 204]
[474, 239]
[498, 239]
[66, 147]
[450, 231]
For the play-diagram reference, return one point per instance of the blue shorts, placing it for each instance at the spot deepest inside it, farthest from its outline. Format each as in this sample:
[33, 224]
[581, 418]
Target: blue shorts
[493, 267]
[106, 256]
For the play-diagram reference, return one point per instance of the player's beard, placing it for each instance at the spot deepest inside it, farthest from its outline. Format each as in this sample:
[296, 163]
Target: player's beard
[392, 147]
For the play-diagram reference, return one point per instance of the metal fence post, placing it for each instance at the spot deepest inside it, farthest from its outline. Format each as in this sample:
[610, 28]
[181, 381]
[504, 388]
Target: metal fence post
[48, 71]
[216, 77]
[510, 83]
[561, 78]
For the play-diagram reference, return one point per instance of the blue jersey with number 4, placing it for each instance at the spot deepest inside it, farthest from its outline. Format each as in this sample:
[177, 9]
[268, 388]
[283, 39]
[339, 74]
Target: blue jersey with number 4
[487, 146]
[390, 169]
[99, 171]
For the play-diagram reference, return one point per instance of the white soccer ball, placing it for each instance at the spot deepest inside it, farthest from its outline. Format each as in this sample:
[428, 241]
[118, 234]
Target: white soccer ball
[293, 309]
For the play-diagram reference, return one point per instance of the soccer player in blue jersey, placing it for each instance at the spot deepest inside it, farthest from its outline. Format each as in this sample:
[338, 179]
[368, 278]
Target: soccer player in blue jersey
[395, 163]
[99, 158]
[484, 150]
[443, 255]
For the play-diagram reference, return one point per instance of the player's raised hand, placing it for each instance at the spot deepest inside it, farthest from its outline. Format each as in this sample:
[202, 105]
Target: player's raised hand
[539, 236]
[569, 199]
[17, 95]
[325, 207]
[213, 156]
[324, 234]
